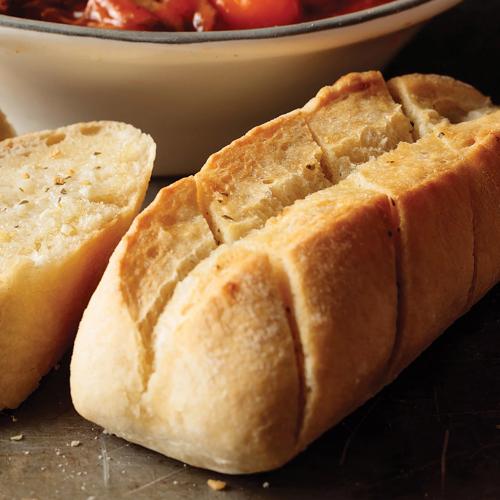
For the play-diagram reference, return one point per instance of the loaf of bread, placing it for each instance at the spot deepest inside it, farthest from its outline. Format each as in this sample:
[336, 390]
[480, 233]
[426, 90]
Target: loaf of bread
[251, 307]
[66, 198]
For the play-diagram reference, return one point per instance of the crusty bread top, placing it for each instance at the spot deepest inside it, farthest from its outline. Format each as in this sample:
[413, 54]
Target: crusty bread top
[435, 100]
[6, 129]
[252, 180]
[256, 176]
[355, 120]
[304, 151]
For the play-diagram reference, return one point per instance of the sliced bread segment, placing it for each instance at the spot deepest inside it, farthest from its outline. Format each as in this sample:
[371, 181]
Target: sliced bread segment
[354, 120]
[171, 235]
[272, 338]
[478, 144]
[255, 177]
[429, 187]
[336, 253]
[431, 101]
[66, 198]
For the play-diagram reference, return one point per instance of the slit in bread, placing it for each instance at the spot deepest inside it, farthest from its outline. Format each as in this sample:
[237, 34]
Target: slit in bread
[435, 231]
[482, 159]
[334, 292]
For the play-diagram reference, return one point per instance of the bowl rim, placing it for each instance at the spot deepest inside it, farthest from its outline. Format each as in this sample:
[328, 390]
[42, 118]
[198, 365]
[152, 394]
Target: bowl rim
[169, 37]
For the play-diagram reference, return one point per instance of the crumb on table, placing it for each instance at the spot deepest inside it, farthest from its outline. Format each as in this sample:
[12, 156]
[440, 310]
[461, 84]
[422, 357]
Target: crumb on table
[216, 485]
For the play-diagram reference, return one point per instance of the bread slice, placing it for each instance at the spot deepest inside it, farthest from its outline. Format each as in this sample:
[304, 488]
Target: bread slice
[6, 129]
[67, 197]
[324, 300]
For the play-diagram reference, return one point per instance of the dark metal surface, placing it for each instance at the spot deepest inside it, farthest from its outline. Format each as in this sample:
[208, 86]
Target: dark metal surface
[434, 433]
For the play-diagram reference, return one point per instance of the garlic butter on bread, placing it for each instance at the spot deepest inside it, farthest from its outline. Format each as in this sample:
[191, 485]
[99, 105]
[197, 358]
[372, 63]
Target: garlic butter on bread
[253, 306]
[66, 198]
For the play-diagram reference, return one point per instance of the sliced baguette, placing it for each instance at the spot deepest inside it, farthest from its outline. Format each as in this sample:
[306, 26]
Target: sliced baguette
[326, 301]
[248, 182]
[67, 197]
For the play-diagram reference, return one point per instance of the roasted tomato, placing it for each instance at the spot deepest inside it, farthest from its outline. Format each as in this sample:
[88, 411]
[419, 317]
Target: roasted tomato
[245, 14]
[205, 16]
[121, 14]
[181, 15]
[175, 14]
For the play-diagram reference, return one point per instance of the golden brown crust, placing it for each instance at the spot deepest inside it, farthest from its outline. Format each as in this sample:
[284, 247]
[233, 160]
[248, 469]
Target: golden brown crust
[354, 120]
[434, 100]
[433, 213]
[201, 377]
[273, 338]
[121, 368]
[241, 362]
[172, 221]
[336, 252]
[299, 153]
[255, 177]
[478, 144]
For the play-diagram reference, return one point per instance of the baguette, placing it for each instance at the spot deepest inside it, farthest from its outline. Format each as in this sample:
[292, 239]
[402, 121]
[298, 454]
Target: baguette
[292, 287]
[67, 197]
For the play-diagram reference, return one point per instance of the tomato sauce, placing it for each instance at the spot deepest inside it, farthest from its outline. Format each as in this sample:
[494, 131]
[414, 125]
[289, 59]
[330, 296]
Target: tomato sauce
[182, 15]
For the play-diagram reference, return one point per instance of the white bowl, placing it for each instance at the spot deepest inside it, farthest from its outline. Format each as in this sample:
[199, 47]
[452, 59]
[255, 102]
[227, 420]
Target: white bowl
[193, 92]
